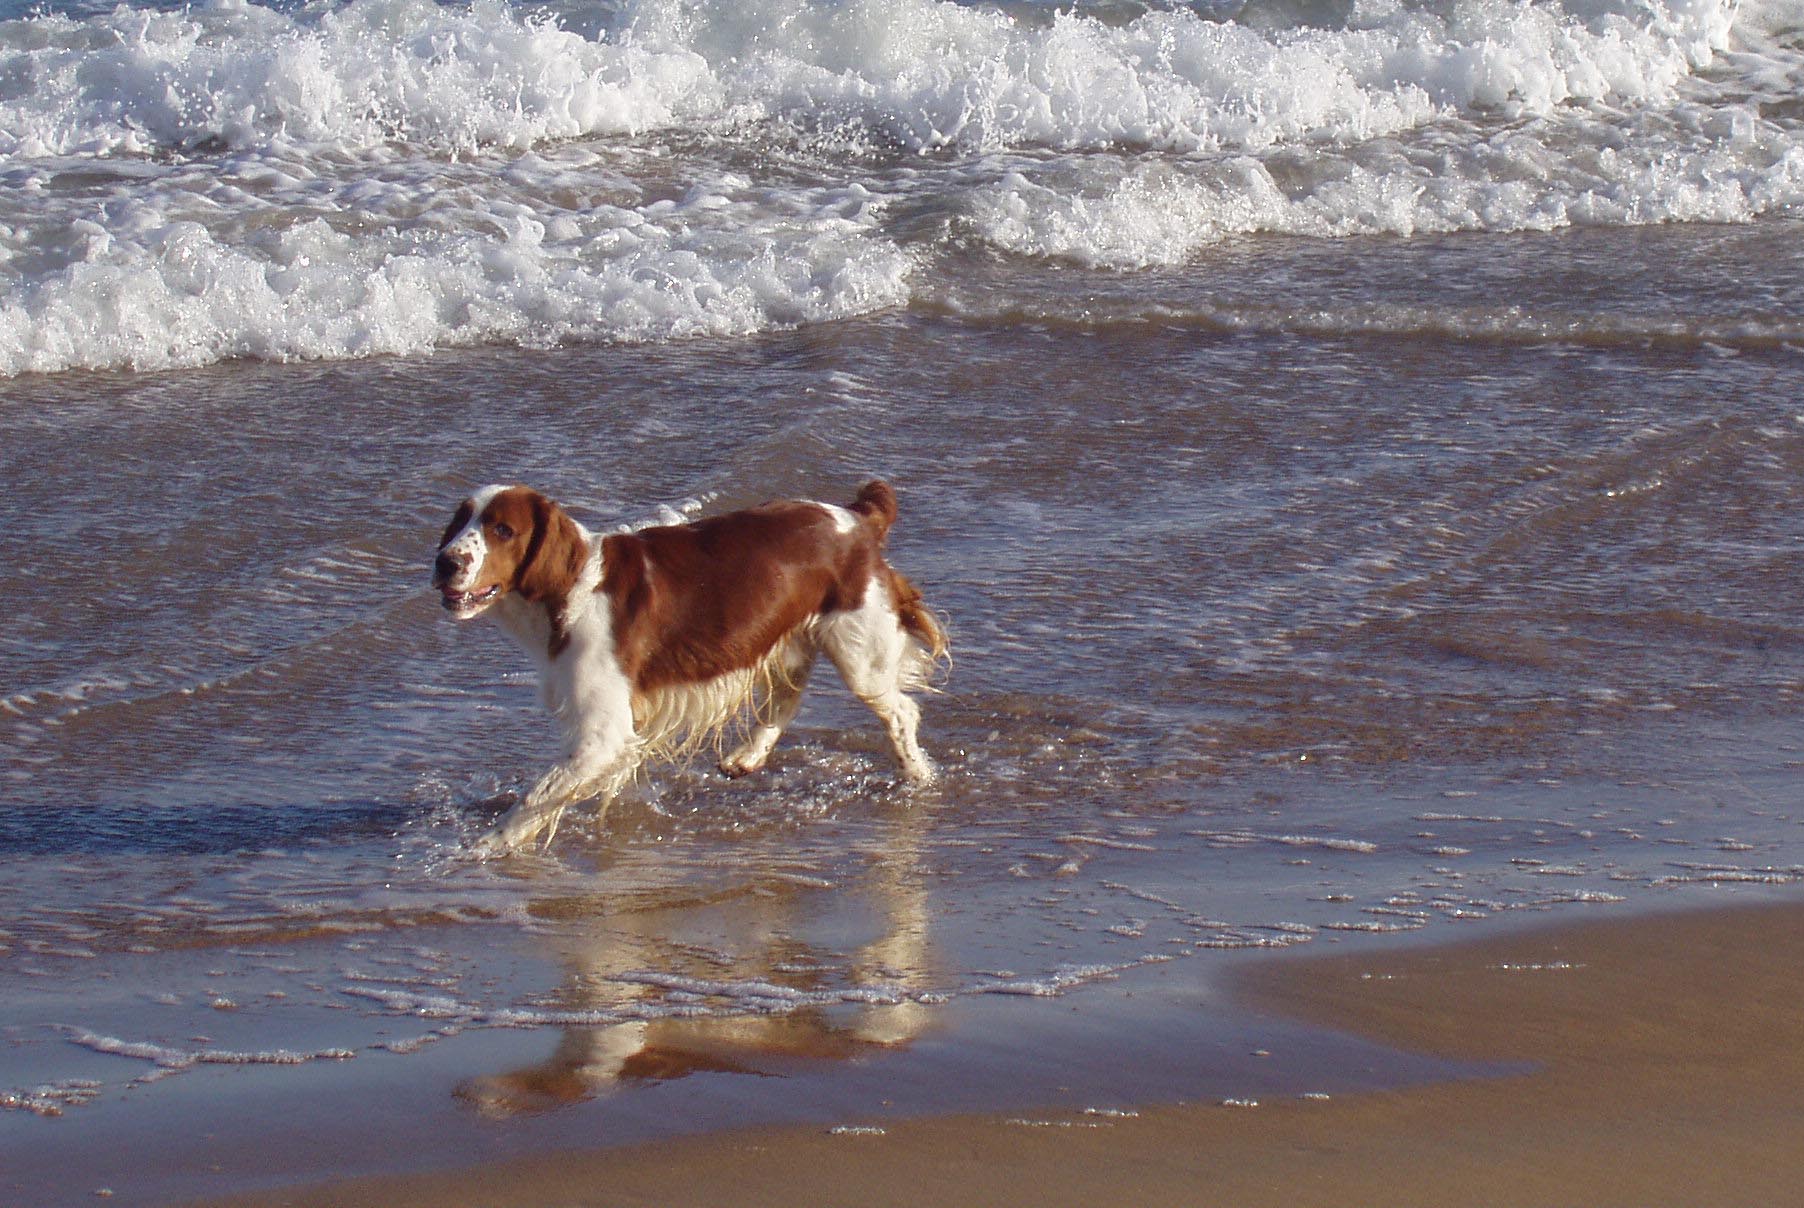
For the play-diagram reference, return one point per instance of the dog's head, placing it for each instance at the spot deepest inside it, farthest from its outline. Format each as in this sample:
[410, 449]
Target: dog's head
[507, 539]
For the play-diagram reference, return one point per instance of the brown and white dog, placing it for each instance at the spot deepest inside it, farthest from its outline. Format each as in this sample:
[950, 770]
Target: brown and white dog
[651, 642]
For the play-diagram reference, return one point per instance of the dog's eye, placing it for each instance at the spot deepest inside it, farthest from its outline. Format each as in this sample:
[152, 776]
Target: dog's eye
[504, 531]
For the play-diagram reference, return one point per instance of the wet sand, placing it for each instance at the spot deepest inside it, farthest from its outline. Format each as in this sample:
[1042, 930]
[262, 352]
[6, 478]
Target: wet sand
[1644, 1061]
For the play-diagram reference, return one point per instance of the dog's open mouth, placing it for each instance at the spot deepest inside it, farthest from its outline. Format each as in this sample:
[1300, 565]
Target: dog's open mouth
[468, 601]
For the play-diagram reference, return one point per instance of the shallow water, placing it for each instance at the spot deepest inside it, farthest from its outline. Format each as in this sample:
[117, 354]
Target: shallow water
[1311, 578]
[1262, 639]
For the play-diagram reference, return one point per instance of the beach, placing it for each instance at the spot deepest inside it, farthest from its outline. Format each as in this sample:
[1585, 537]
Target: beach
[1355, 449]
[1644, 1062]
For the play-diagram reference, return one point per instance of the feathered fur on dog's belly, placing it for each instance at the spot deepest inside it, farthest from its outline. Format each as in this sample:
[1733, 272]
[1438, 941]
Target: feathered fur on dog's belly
[675, 721]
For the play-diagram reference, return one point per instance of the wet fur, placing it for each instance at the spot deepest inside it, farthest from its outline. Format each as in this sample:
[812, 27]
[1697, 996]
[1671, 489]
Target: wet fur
[652, 644]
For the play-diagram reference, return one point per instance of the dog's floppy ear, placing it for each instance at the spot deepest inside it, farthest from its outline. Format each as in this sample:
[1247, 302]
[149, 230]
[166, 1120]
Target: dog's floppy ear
[555, 557]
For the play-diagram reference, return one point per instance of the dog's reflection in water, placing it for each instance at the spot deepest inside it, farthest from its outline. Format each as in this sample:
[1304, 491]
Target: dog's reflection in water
[592, 1061]
[589, 1062]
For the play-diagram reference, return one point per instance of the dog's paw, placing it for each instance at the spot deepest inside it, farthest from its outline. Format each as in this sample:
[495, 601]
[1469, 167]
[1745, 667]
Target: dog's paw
[736, 765]
[526, 826]
[492, 845]
[749, 756]
[920, 773]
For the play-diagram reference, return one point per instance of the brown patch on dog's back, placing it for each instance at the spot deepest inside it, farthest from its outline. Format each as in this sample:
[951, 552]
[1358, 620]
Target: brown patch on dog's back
[695, 601]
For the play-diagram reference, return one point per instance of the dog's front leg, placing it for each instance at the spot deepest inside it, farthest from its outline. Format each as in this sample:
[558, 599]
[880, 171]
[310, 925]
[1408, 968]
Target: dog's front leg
[596, 772]
[602, 752]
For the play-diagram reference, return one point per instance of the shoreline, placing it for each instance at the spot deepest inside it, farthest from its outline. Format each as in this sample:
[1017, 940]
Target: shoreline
[1640, 1061]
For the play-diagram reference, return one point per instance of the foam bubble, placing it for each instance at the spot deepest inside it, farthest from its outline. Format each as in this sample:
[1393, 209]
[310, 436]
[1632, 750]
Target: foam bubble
[1241, 838]
[1128, 213]
[360, 75]
[51, 1098]
[930, 74]
[172, 1058]
[166, 291]
[924, 73]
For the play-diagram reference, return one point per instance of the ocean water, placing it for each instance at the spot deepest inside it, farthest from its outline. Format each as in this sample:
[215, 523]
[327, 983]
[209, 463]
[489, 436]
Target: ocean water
[1358, 449]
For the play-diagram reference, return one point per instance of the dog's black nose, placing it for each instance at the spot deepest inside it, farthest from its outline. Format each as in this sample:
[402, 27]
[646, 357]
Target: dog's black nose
[444, 567]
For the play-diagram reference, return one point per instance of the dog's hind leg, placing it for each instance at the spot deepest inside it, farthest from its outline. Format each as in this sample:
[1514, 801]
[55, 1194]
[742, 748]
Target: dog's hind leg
[874, 656]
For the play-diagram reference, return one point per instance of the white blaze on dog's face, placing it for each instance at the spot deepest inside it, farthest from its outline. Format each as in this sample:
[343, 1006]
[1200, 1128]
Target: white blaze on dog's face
[473, 568]
[508, 539]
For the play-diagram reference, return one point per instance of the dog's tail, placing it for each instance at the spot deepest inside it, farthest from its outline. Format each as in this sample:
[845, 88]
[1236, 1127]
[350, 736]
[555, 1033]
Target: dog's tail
[929, 654]
[876, 502]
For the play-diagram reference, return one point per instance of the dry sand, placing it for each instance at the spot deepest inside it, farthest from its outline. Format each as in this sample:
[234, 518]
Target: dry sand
[1648, 1061]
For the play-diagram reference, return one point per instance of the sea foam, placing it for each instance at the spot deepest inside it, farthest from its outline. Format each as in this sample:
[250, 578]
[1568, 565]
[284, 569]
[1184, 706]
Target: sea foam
[926, 73]
[393, 176]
